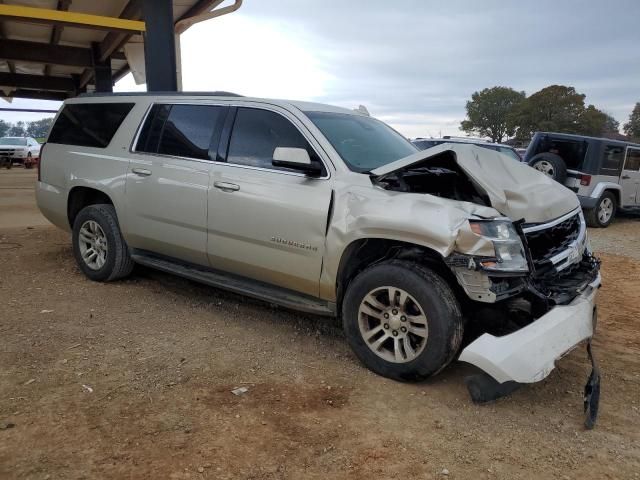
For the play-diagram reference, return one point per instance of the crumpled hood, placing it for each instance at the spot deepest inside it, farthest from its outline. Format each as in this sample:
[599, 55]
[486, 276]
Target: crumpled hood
[514, 189]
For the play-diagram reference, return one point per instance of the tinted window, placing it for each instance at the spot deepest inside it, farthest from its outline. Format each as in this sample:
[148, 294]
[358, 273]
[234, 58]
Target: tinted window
[257, 133]
[613, 156]
[633, 159]
[150, 133]
[180, 130]
[89, 124]
[364, 143]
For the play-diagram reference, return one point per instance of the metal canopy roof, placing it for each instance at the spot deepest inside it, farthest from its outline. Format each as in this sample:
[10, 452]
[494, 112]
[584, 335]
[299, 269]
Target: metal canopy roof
[51, 58]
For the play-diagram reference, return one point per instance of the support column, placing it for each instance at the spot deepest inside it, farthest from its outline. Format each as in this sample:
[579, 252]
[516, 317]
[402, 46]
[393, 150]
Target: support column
[101, 70]
[159, 46]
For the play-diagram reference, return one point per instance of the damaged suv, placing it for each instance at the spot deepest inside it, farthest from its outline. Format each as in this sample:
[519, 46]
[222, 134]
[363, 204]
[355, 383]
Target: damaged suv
[454, 251]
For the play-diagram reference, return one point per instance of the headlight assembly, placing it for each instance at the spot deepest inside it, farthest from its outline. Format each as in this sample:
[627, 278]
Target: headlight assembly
[510, 255]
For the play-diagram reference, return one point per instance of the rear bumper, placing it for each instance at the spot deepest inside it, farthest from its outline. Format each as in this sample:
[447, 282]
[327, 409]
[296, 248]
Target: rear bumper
[529, 354]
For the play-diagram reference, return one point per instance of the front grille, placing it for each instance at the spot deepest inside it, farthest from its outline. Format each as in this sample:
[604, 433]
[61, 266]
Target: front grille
[544, 244]
[563, 286]
[6, 152]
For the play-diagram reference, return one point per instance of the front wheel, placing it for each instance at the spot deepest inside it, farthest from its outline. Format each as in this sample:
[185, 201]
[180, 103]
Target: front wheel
[402, 320]
[98, 245]
[604, 212]
[28, 163]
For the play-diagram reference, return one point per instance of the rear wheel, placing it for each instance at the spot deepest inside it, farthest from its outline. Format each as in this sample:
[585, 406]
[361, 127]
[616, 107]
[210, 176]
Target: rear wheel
[604, 212]
[98, 246]
[551, 165]
[402, 320]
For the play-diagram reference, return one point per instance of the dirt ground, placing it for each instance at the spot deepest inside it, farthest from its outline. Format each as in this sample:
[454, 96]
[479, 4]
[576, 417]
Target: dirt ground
[133, 380]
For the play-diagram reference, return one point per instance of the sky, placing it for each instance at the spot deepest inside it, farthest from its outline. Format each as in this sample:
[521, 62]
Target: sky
[413, 63]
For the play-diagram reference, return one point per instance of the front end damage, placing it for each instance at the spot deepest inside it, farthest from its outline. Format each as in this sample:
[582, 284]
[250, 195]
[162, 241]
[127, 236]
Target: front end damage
[528, 272]
[525, 321]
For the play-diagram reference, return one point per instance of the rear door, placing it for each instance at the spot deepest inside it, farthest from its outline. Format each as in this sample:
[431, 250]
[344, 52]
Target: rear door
[268, 223]
[168, 180]
[630, 179]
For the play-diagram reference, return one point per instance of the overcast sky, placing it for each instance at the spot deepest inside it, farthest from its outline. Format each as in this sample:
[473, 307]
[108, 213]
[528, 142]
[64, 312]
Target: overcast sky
[414, 63]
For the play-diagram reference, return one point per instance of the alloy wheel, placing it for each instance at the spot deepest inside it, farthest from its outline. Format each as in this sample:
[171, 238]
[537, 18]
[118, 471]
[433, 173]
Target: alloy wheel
[93, 245]
[393, 324]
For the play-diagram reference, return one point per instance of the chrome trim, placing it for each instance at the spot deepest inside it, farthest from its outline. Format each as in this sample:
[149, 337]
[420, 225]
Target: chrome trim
[552, 223]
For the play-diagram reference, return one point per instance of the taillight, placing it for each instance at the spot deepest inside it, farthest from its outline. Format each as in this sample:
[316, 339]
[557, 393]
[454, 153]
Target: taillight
[585, 180]
[40, 162]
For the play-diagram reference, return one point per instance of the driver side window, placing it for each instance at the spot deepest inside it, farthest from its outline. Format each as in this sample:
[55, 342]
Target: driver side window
[257, 133]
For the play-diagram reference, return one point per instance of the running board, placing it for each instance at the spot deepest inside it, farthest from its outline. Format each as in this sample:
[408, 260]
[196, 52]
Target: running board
[233, 283]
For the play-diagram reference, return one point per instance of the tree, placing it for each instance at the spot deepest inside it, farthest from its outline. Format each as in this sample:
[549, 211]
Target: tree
[4, 128]
[39, 128]
[632, 127]
[490, 113]
[593, 122]
[611, 125]
[17, 130]
[555, 108]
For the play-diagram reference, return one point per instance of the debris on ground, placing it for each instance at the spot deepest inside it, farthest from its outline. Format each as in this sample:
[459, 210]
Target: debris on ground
[240, 391]
[6, 425]
[87, 388]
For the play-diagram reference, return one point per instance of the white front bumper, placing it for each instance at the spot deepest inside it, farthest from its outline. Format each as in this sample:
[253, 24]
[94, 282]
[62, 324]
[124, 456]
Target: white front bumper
[529, 354]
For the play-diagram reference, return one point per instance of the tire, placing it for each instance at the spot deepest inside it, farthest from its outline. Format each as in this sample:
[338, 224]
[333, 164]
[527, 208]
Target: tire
[28, 163]
[424, 290]
[597, 217]
[551, 165]
[116, 261]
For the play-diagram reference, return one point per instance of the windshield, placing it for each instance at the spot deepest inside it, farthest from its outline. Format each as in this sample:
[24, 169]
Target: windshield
[364, 143]
[13, 141]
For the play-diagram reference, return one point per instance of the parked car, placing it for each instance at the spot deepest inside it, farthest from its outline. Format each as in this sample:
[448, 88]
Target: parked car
[424, 143]
[604, 173]
[329, 211]
[25, 150]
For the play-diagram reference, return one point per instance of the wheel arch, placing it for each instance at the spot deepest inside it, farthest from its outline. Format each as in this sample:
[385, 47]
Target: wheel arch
[364, 252]
[80, 197]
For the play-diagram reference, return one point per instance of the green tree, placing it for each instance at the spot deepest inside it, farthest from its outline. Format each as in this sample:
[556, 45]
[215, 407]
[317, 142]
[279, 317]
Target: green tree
[611, 125]
[39, 128]
[17, 130]
[593, 122]
[4, 128]
[490, 113]
[555, 108]
[632, 127]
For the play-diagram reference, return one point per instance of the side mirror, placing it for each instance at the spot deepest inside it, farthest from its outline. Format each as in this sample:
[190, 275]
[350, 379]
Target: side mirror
[296, 159]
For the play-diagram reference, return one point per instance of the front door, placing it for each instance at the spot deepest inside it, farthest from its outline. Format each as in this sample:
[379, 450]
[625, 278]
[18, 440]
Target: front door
[265, 222]
[630, 179]
[168, 181]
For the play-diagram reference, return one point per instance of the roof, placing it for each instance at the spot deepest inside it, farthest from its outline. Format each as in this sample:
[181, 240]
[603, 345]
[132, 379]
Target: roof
[300, 105]
[64, 53]
[571, 136]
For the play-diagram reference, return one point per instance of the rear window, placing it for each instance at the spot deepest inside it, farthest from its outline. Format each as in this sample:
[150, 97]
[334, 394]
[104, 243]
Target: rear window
[613, 157]
[89, 124]
[181, 130]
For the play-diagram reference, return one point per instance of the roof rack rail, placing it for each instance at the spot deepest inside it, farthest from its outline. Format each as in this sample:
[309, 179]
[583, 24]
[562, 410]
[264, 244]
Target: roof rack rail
[220, 93]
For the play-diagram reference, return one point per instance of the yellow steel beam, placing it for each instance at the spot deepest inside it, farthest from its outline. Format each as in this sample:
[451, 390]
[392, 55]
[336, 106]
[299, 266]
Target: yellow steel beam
[80, 20]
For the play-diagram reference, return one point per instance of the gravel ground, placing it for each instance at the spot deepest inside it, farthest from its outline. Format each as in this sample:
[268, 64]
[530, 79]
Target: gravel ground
[133, 379]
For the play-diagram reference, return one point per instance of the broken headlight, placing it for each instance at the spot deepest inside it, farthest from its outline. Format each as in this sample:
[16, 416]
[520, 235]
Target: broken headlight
[510, 255]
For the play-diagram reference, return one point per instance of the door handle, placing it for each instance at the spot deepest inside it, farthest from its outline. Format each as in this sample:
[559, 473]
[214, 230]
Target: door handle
[226, 186]
[143, 172]
[626, 177]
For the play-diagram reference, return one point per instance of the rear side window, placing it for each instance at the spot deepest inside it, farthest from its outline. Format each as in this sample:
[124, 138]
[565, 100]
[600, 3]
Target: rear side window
[180, 130]
[256, 135]
[89, 124]
[613, 157]
[633, 159]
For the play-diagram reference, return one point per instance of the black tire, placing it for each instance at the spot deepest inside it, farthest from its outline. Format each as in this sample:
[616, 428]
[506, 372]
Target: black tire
[118, 262]
[558, 166]
[435, 298]
[592, 216]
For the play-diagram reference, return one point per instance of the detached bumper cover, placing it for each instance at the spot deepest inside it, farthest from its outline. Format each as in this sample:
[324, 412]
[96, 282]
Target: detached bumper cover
[529, 354]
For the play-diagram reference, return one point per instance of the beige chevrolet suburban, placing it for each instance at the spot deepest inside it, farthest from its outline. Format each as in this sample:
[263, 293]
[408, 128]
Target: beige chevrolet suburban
[452, 252]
